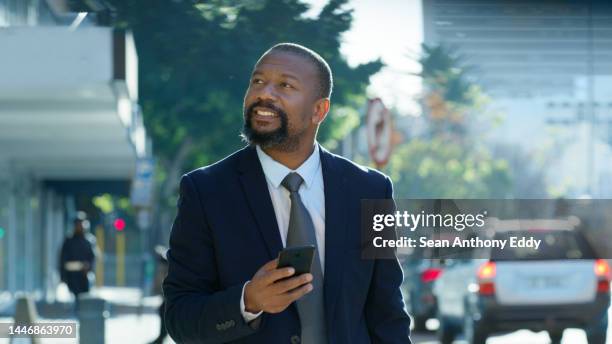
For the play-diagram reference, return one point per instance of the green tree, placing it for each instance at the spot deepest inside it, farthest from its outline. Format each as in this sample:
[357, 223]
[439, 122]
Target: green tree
[434, 168]
[195, 61]
[451, 159]
[450, 99]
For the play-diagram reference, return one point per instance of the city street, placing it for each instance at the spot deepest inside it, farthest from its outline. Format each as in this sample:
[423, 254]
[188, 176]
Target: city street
[121, 329]
[155, 155]
[143, 329]
[570, 336]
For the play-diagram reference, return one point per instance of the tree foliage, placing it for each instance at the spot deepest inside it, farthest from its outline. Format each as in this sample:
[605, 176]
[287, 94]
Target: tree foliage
[451, 158]
[195, 60]
[436, 169]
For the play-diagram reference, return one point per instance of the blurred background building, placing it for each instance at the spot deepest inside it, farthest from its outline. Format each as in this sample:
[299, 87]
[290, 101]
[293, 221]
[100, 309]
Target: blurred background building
[70, 127]
[72, 135]
[547, 65]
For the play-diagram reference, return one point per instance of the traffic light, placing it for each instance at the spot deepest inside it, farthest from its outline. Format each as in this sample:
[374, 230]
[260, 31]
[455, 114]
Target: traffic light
[119, 224]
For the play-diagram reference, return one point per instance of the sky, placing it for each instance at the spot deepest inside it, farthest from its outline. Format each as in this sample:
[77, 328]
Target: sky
[393, 31]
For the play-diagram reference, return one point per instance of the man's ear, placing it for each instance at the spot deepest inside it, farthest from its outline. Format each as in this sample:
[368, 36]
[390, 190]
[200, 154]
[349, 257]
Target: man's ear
[321, 108]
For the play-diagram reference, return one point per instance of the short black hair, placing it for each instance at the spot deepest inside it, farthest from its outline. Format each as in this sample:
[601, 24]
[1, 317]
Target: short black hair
[326, 81]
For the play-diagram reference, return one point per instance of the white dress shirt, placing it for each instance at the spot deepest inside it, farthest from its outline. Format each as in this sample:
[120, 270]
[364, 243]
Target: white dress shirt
[311, 192]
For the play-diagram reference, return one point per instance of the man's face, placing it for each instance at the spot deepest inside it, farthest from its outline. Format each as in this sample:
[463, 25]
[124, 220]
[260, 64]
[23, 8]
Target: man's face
[280, 102]
[78, 228]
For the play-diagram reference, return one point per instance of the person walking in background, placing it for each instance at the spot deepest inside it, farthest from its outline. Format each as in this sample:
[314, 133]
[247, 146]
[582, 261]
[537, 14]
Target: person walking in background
[77, 258]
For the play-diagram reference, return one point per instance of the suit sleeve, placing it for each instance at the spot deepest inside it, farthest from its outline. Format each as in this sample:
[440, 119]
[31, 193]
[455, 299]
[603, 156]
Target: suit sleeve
[387, 320]
[197, 309]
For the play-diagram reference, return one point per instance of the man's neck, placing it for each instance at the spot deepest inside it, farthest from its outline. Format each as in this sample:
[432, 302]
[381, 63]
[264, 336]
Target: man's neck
[292, 160]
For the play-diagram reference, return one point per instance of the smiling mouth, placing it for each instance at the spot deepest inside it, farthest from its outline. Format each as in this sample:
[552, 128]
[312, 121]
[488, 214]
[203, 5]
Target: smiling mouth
[265, 113]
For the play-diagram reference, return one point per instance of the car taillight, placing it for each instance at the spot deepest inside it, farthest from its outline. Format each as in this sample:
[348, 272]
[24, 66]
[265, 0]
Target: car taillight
[603, 286]
[486, 274]
[486, 288]
[487, 270]
[602, 271]
[430, 275]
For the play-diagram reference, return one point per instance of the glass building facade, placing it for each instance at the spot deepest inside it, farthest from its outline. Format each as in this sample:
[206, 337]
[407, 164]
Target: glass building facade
[67, 119]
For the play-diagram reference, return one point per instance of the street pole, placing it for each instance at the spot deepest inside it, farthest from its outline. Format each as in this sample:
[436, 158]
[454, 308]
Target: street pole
[120, 274]
[100, 262]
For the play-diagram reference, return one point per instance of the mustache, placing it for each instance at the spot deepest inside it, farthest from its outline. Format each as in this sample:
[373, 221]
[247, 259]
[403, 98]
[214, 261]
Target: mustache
[265, 139]
[265, 104]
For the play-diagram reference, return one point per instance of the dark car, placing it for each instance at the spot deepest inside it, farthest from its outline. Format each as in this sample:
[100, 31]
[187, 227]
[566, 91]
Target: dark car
[419, 277]
[422, 267]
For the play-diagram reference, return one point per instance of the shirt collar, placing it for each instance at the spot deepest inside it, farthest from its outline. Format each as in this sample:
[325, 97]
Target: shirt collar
[275, 171]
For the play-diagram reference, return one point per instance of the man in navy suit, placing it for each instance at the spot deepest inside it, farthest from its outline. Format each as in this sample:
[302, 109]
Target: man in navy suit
[235, 216]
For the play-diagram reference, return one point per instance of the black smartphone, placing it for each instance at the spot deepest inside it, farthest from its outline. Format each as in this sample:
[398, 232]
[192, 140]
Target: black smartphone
[300, 258]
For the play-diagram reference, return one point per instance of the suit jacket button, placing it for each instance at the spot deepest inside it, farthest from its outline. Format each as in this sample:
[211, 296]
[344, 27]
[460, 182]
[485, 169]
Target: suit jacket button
[295, 339]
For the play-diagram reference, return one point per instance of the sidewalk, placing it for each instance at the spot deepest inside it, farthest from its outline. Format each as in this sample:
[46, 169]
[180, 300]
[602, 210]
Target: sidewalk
[131, 329]
[132, 318]
[120, 300]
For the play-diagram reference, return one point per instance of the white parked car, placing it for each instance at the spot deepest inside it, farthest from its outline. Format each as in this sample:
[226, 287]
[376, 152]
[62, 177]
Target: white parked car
[558, 286]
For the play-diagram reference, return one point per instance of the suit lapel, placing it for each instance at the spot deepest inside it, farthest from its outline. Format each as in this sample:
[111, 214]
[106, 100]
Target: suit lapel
[334, 184]
[256, 192]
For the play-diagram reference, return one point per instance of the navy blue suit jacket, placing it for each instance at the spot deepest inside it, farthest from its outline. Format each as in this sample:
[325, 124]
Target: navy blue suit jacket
[226, 229]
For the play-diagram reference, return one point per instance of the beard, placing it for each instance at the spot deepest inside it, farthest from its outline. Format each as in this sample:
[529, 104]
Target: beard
[278, 138]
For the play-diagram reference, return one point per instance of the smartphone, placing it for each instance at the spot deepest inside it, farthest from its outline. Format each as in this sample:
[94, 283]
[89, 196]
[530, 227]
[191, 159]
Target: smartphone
[300, 258]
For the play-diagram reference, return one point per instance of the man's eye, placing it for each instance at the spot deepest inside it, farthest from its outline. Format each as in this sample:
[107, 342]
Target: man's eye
[286, 85]
[257, 81]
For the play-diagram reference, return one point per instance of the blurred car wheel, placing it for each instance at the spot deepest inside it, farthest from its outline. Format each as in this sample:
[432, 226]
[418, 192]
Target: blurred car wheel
[596, 333]
[597, 339]
[474, 331]
[446, 331]
[555, 336]
[419, 323]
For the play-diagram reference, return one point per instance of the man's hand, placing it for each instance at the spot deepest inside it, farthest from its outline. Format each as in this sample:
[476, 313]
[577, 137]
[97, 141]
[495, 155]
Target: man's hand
[266, 293]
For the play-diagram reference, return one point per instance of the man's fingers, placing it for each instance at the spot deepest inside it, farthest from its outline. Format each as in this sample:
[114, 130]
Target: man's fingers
[280, 301]
[291, 283]
[274, 275]
[271, 265]
[297, 293]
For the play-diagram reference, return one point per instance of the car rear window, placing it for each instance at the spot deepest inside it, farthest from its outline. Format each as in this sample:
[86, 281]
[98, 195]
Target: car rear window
[554, 245]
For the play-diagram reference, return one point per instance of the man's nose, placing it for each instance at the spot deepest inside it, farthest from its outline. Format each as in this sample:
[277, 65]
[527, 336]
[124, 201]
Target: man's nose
[268, 93]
